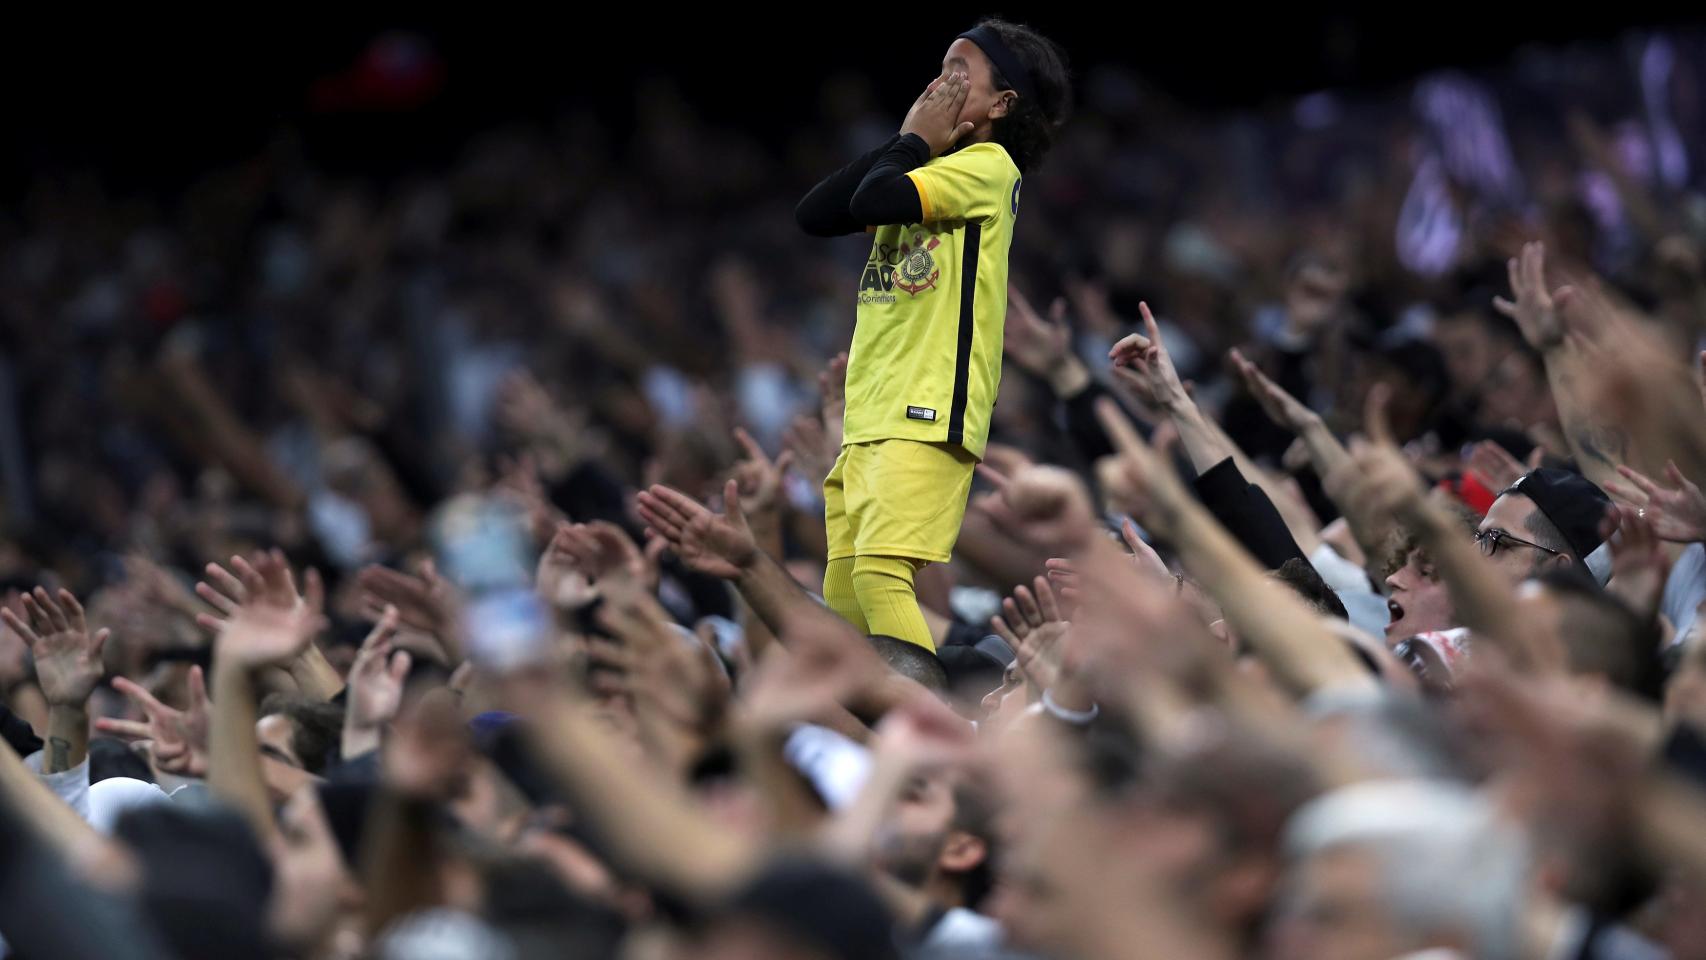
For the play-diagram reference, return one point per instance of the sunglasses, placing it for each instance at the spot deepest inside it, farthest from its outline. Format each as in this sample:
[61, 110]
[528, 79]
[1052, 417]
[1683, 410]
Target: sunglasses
[1491, 540]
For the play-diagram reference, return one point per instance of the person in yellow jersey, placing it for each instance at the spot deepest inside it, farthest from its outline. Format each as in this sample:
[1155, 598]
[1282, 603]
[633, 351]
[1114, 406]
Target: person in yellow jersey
[940, 200]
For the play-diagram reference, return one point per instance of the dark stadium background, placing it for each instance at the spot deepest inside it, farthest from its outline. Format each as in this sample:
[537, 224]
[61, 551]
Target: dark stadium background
[148, 103]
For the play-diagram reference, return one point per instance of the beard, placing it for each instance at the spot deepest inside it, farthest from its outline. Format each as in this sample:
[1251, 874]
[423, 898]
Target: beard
[909, 858]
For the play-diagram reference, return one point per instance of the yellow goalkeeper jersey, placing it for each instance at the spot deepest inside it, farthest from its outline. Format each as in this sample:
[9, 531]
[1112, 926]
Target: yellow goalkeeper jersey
[926, 357]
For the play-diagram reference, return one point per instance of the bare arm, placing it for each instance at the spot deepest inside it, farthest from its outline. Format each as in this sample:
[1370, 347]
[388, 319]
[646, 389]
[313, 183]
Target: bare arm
[648, 822]
[1597, 443]
[268, 579]
[722, 545]
[234, 753]
[922, 735]
[259, 635]
[1144, 365]
[1326, 454]
[427, 756]
[217, 430]
[54, 822]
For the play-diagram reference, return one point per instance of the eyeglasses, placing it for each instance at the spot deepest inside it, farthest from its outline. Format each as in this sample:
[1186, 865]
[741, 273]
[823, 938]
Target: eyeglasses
[1491, 540]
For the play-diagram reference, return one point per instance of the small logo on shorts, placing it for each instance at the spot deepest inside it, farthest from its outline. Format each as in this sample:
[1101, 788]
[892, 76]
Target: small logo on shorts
[920, 413]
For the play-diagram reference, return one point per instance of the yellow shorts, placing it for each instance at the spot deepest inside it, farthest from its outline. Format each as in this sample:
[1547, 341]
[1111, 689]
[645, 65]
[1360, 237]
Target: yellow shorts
[897, 498]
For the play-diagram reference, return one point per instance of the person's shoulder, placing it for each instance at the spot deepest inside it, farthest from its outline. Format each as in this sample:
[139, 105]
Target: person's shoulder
[960, 927]
[988, 151]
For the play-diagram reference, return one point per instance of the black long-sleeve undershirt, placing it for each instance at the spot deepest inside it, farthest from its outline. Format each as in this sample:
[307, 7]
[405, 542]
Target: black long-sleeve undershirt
[871, 190]
[887, 195]
[1245, 511]
[824, 211]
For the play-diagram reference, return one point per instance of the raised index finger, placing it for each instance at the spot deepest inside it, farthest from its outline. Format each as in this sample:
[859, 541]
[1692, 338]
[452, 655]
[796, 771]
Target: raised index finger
[1150, 325]
[754, 452]
[1119, 429]
[1375, 422]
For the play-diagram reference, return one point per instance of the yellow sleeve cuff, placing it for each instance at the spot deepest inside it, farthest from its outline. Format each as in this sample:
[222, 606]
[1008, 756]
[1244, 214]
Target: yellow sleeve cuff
[928, 216]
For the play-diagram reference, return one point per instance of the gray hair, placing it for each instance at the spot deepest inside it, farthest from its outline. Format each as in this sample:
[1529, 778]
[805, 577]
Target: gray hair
[1446, 861]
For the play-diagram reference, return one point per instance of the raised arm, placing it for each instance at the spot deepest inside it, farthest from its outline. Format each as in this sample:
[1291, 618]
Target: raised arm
[68, 667]
[1233, 488]
[258, 636]
[1597, 443]
[1290, 638]
[648, 822]
[268, 580]
[1380, 480]
[826, 210]
[722, 545]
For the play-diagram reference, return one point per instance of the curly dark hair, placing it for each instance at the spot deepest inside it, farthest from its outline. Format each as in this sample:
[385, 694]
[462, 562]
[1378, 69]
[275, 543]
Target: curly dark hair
[1028, 129]
[316, 728]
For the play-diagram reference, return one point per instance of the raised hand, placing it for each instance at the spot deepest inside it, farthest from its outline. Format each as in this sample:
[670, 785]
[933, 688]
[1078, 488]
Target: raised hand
[1380, 480]
[427, 603]
[265, 635]
[376, 680]
[832, 383]
[561, 436]
[264, 581]
[177, 738]
[1045, 506]
[1281, 407]
[935, 116]
[1142, 364]
[1143, 556]
[1534, 309]
[924, 732]
[518, 479]
[67, 655]
[672, 677]
[809, 442]
[1677, 513]
[715, 544]
[1494, 465]
[429, 748]
[606, 556]
[1033, 625]
[1090, 306]
[1137, 478]
[758, 477]
[815, 672]
[1638, 562]
[1040, 346]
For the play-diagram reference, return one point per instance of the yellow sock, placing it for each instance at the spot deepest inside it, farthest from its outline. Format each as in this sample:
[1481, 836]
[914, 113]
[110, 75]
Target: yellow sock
[838, 593]
[884, 588]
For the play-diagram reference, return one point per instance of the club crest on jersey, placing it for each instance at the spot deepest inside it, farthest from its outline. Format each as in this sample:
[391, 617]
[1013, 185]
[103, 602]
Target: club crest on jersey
[917, 271]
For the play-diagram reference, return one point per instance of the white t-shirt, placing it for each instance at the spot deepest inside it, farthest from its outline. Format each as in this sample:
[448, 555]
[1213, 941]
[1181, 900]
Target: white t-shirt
[960, 928]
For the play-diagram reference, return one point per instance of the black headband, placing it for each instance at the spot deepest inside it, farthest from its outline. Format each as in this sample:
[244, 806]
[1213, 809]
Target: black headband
[1011, 69]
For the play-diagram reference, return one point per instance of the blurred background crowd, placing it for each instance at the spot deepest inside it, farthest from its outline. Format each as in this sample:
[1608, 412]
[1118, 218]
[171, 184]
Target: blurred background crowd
[312, 331]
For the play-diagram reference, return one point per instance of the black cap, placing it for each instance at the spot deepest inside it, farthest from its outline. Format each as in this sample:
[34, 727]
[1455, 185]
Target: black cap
[973, 658]
[1573, 504]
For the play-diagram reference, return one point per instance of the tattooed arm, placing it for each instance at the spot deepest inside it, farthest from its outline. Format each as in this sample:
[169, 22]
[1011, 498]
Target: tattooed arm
[68, 666]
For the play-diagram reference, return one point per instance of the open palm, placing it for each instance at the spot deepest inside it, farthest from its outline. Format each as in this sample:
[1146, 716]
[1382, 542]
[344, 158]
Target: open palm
[717, 545]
